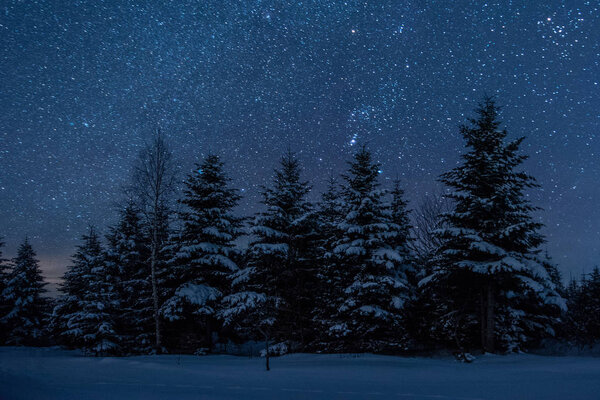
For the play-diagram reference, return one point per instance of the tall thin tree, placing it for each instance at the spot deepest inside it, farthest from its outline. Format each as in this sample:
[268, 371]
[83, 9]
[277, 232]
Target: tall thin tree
[154, 183]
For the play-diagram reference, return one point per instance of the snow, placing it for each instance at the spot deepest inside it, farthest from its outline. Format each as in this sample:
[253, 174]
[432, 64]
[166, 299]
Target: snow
[50, 373]
[198, 294]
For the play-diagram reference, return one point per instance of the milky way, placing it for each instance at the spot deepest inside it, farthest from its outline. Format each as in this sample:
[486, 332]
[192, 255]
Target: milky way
[84, 84]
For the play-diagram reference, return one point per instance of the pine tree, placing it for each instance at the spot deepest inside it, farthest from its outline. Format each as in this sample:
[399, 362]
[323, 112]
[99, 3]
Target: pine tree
[278, 281]
[27, 308]
[127, 260]
[85, 316]
[204, 249]
[371, 272]
[488, 277]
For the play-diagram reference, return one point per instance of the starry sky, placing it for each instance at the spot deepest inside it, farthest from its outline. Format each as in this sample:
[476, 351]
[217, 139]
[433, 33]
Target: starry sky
[85, 83]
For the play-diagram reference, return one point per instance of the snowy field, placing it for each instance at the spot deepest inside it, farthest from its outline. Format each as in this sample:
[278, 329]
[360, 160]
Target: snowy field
[27, 373]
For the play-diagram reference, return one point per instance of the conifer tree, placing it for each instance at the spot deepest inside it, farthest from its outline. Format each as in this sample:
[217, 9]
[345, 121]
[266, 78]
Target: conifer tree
[26, 306]
[582, 321]
[278, 281]
[85, 316]
[330, 213]
[401, 239]
[572, 318]
[127, 260]
[204, 250]
[371, 272]
[488, 278]
[3, 301]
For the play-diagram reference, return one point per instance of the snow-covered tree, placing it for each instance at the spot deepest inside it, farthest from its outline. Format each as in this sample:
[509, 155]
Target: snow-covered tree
[3, 301]
[488, 277]
[277, 285]
[401, 240]
[127, 260]
[372, 273]
[330, 213]
[85, 316]
[203, 250]
[582, 321]
[26, 309]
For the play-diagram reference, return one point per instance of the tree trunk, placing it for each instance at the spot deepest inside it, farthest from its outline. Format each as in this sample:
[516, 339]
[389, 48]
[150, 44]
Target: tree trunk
[267, 353]
[487, 319]
[490, 319]
[482, 319]
[209, 343]
[155, 293]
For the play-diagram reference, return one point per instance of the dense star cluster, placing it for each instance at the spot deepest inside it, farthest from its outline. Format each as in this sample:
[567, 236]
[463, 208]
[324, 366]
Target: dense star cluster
[85, 84]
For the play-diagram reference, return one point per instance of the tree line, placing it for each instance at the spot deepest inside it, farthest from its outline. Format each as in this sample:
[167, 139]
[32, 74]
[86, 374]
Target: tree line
[350, 273]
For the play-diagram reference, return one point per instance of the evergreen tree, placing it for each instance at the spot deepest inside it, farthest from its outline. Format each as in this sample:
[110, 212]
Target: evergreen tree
[401, 239]
[330, 213]
[371, 272]
[127, 261]
[279, 279]
[204, 251]
[3, 301]
[488, 278]
[583, 318]
[553, 273]
[85, 316]
[26, 306]
[574, 316]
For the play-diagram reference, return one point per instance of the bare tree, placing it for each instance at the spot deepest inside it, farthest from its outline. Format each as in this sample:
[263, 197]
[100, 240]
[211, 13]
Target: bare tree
[427, 219]
[154, 186]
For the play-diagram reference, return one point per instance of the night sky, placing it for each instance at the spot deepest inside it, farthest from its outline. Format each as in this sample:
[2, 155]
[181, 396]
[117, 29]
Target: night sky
[84, 84]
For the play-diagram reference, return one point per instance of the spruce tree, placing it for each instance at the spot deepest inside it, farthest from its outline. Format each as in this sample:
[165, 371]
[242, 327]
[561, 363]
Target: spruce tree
[488, 279]
[330, 213]
[582, 321]
[591, 295]
[371, 272]
[401, 240]
[3, 301]
[279, 280]
[204, 254]
[127, 260]
[573, 317]
[85, 316]
[65, 325]
[26, 306]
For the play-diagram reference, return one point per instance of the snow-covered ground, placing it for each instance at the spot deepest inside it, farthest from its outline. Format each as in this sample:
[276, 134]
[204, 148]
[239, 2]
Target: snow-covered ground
[27, 373]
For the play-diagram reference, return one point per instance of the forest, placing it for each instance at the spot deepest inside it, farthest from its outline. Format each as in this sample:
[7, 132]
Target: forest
[355, 272]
